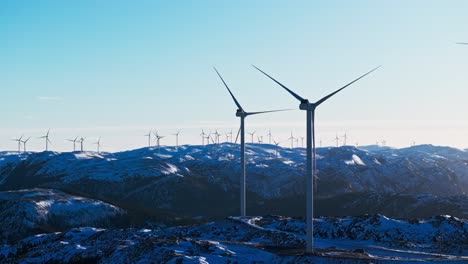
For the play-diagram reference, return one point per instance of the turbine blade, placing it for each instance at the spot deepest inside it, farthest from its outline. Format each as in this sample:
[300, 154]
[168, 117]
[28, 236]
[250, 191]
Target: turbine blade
[229, 90]
[462, 43]
[238, 133]
[335, 92]
[271, 111]
[286, 88]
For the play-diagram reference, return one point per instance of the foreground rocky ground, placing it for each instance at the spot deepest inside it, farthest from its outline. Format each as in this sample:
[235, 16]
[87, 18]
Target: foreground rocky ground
[271, 239]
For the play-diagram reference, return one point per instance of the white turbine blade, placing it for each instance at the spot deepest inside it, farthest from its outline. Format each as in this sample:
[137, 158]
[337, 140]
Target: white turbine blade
[271, 111]
[229, 90]
[335, 92]
[462, 43]
[286, 88]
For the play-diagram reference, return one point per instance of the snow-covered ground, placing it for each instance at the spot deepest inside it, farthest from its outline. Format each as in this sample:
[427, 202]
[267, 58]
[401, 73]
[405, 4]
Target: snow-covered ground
[26, 212]
[270, 239]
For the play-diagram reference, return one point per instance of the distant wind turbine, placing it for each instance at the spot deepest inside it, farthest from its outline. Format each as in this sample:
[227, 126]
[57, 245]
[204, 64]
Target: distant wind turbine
[251, 135]
[311, 161]
[177, 137]
[158, 138]
[24, 143]
[276, 144]
[98, 143]
[47, 141]
[203, 137]
[82, 139]
[292, 140]
[242, 114]
[269, 136]
[345, 138]
[337, 139]
[149, 137]
[19, 140]
[74, 142]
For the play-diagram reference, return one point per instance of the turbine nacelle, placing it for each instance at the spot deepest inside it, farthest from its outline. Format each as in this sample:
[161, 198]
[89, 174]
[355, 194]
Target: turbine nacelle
[241, 113]
[305, 105]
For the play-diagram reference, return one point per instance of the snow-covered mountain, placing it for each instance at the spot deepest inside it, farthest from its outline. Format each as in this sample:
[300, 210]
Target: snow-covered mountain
[270, 239]
[27, 212]
[182, 181]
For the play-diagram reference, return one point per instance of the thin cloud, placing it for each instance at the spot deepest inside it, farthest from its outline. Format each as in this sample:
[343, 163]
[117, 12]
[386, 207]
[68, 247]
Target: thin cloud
[49, 98]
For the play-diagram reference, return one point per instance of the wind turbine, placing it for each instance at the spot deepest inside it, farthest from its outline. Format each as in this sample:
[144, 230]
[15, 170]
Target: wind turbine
[311, 159]
[242, 114]
[158, 138]
[19, 140]
[345, 137]
[276, 143]
[251, 135]
[337, 139]
[302, 142]
[24, 144]
[82, 139]
[47, 141]
[177, 137]
[149, 137]
[217, 137]
[98, 143]
[260, 139]
[74, 142]
[203, 137]
[292, 140]
[269, 136]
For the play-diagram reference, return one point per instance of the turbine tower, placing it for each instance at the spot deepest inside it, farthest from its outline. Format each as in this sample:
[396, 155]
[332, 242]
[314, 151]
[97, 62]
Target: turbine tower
[337, 139]
[345, 138]
[177, 137]
[149, 137]
[242, 114]
[47, 141]
[311, 159]
[24, 144]
[19, 140]
[74, 142]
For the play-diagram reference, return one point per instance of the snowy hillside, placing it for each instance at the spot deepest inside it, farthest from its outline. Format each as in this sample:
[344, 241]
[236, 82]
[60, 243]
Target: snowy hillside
[181, 181]
[254, 239]
[26, 212]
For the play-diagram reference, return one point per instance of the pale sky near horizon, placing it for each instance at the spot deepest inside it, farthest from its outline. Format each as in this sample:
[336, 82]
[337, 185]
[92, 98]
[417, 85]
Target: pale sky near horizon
[115, 69]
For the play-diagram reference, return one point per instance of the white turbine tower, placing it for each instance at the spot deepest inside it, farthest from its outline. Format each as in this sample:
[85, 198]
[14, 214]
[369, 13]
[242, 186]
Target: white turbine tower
[74, 143]
[311, 161]
[242, 115]
[269, 136]
[47, 141]
[292, 140]
[276, 144]
[19, 140]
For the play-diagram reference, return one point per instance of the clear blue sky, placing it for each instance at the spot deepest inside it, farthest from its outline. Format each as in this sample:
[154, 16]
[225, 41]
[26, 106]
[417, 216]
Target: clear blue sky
[118, 68]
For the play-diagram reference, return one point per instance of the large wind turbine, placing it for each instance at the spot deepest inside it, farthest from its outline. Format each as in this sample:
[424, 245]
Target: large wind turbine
[242, 115]
[47, 141]
[311, 161]
[19, 140]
